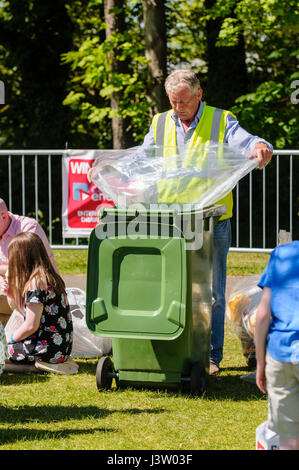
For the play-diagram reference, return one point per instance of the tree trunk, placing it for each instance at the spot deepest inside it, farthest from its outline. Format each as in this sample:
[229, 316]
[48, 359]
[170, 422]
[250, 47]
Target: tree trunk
[114, 11]
[226, 67]
[155, 51]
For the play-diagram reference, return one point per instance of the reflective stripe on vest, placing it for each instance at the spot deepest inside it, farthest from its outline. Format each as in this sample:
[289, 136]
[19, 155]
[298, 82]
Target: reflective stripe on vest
[211, 128]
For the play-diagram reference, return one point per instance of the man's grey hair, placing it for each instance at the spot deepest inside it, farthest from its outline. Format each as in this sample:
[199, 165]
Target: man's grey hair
[182, 77]
[3, 206]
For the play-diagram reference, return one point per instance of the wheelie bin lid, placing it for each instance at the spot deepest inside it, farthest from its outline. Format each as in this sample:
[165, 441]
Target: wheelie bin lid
[136, 288]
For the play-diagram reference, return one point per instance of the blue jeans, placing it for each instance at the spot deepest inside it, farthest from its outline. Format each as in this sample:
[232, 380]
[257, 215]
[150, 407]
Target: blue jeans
[221, 244]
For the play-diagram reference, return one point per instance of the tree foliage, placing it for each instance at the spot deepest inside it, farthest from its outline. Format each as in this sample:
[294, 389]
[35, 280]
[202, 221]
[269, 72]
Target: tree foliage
[94, 81]
[57, 67]
[270, 29]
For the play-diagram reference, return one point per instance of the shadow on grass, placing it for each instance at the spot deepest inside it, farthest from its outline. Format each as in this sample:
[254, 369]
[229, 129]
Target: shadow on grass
[224, 387]
[9, 436]
[61, 413]
[45, 414]
[12, 378]
[87, 366]
[27, 414]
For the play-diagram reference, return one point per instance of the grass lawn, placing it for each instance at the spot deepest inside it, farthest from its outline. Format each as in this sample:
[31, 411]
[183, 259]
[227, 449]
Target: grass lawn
[246, 264]
[62, 412]
[239, 264]
[71, 261]
[67, 412]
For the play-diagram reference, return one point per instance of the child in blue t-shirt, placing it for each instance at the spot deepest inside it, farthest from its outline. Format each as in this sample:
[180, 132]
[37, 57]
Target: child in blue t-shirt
[277, 342]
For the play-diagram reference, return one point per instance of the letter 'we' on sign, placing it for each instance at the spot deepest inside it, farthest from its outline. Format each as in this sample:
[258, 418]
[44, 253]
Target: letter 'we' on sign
[2, 92]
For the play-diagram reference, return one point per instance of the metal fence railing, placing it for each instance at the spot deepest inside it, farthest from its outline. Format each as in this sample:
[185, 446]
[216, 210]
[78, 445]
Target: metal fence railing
[264, 201]
[274, 192]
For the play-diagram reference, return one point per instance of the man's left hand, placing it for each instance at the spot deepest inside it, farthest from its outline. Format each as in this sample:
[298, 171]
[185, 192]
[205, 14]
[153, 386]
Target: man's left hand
[262, 153]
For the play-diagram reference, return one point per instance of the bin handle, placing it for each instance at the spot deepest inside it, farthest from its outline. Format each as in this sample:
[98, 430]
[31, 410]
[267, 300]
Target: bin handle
[98, 310]
[176, 313]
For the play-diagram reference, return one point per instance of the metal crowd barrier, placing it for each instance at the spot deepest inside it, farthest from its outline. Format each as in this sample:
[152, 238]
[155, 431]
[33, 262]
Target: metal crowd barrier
[286, 187]
[241, 221]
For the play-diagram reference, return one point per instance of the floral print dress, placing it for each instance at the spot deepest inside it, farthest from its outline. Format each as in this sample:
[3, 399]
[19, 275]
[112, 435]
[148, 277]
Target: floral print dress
[52, 342]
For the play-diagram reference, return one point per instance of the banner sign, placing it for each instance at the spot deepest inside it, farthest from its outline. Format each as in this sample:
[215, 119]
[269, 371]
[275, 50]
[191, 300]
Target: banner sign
[81, 200]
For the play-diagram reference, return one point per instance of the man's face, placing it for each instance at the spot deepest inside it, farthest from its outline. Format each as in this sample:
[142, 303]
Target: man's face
[184, 103]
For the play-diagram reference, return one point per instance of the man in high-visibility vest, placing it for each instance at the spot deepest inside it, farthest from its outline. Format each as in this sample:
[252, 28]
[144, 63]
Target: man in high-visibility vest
[190, 123]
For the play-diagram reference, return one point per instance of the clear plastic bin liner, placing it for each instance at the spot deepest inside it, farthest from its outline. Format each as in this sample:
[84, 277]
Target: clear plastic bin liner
[160, 175]
[85, 344]
[241, 308]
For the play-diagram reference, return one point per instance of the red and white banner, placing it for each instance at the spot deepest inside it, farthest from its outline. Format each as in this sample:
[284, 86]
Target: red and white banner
[81, 200]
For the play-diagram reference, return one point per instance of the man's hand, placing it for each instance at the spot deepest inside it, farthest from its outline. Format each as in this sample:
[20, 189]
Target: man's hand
[89, 174]
[262, 153]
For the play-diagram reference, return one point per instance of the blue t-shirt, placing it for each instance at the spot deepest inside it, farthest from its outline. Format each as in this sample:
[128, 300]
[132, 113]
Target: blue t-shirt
[282, 276]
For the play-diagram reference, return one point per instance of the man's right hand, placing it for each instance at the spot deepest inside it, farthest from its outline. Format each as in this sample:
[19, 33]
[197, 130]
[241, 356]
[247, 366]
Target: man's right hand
[89, 174]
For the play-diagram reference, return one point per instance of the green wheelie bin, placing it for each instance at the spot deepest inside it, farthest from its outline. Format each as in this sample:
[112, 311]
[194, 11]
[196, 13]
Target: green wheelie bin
[149, 288]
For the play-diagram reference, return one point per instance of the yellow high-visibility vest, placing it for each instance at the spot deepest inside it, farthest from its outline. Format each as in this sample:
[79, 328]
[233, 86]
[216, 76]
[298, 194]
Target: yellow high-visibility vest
[210, 128]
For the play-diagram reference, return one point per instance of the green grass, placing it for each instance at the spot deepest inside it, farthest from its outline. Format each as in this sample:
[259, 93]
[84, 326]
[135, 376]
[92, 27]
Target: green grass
[62, 412]
[71, 261]
[246, 264]
[67, 412]
[238, 264]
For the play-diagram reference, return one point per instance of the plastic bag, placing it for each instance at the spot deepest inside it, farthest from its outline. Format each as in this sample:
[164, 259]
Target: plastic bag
[241, 308]
[158, 175]
[16, 319]
[242, 305]
[85, 344]
[3, 348]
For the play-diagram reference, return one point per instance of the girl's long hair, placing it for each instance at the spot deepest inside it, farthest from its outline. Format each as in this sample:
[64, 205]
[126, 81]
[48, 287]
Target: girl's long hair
[28, 261]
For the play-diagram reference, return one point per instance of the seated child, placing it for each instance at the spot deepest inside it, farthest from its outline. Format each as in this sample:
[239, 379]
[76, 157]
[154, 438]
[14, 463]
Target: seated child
[39, 293]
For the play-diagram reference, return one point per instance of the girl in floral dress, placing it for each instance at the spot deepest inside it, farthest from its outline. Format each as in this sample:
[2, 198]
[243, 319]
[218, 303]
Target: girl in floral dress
[39, 292]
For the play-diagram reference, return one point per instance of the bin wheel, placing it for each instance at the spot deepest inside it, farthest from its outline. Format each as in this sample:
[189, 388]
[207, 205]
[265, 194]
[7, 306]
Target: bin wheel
[104, 373]
[198, 379]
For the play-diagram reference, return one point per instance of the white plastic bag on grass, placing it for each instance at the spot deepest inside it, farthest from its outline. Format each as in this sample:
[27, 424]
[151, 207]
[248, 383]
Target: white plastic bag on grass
[85, 344]
[241, 309]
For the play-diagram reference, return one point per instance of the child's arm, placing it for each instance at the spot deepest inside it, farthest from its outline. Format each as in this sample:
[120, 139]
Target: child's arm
[263, 320]
[31, 323]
